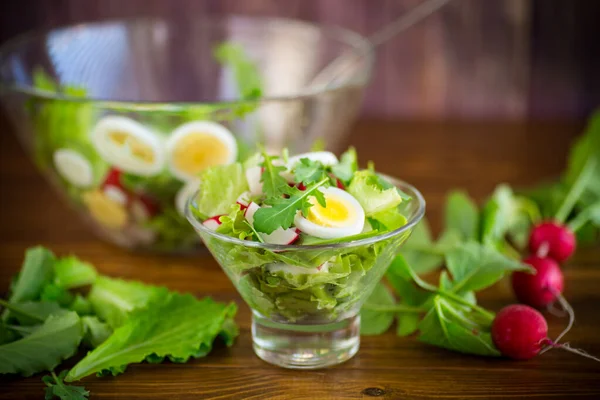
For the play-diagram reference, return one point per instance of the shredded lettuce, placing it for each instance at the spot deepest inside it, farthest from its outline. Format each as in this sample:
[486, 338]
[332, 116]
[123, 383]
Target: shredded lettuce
[221, 186]
[371, 194]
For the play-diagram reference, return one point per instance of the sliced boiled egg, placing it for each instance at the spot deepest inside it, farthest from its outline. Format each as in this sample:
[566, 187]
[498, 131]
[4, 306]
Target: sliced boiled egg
[128, 145]
[196, 146]
[184, 194]
[73, 167]
[342, 216]
[278, 236]
[326, 158]
[104, 210]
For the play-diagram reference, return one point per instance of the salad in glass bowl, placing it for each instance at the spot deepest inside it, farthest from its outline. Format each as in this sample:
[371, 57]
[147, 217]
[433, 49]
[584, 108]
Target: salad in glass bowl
[122, 117]
[304, 239]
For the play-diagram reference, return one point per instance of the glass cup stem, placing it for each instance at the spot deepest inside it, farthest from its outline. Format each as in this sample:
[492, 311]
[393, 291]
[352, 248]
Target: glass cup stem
[305, 346]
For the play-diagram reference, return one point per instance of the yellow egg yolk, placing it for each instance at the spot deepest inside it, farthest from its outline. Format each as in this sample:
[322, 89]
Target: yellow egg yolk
[336, 212]
[105, 210]
[138, 148]
[197, 151]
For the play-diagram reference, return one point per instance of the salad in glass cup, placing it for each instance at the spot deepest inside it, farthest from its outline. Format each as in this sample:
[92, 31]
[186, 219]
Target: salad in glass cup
[304, 239]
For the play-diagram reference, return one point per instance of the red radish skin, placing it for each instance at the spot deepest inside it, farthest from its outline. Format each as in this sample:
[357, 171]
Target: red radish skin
[542, 288]
[113, 178]
[213, 222]
[557, 240]
[339, 184]
[519, 332]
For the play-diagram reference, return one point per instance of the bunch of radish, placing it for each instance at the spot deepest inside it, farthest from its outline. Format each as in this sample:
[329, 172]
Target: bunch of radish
[520, 331]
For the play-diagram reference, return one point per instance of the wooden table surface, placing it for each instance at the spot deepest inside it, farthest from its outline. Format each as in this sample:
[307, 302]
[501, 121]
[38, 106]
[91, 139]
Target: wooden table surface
[435, 157]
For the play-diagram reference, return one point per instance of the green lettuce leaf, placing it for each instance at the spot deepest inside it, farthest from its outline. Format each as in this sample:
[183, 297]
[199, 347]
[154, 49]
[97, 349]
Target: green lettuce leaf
[347, 166]
[113, 300]
[221, 186]
[234, 224]
[34, 312]
[245, 70]
[371, 195]
[462, 215]
[70, 272]
[44, 349]
[186, 328]
[36, 272]
[95, 332]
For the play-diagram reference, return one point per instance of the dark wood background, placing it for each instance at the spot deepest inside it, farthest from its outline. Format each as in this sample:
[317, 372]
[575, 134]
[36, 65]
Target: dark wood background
[474, 59]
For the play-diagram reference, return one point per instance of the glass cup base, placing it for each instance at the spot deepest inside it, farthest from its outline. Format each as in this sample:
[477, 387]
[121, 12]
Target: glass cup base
[299, 346]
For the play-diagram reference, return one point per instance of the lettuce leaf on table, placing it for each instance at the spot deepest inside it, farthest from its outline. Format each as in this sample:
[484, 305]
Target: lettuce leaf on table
[186, 328]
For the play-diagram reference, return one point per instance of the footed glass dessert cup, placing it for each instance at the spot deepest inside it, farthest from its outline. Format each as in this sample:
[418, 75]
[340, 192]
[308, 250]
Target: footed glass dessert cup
[305, 300]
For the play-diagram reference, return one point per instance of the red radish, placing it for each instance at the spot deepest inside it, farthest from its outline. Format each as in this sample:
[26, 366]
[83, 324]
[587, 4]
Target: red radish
[243, 200]
[339, 184]
[144, 207]
[519, 331]
[553, 240]
[213, 222]
[113, 188]
[542, 288]
[113, 178]
[301, 186]
[278, 236]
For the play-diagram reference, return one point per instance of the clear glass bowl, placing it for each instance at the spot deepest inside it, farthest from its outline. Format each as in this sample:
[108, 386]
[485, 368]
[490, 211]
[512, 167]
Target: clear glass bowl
[305, 300]
[59, 87]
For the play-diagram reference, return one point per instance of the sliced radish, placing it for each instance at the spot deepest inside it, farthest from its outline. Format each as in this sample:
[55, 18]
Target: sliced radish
[184, 194]
[116, 194]
[253, 176]
[212, 223]
[113, 178]
[339, 184]
[244, 200]
[278, 236]
[281, 236]
[73, 167]
[143, 208]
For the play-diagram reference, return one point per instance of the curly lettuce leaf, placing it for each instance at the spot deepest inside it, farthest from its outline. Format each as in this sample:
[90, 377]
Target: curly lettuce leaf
[221, 186]
[70, 272]
[348, 165]
[114, 300]
[186, 328]
[36, 272]
[95, 331]
[234, 224]
[371, 194]
[44, 349]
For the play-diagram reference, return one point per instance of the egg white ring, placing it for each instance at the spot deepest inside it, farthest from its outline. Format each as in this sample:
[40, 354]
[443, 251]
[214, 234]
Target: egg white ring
[327, 158]
[73, 167]
[184, 194]
[121, 157]
[354, 227]
[213, 129]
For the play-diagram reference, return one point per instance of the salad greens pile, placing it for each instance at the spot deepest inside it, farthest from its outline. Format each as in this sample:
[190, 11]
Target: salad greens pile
[478, 247]
[48, 318]
[62, 125]
[300, 284]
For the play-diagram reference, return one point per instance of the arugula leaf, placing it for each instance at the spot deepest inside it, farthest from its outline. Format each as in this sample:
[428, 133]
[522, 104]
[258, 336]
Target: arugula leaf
[57, 388]
[70, 272]
[36, 271]
[221, 186]
[308, 171]
[283, 211]
[95, 332]
[114, 299]
[187, 328]
[247, 74]
[474, 266]
[348, 165]
[377, 322]
[56, 340]
[371, 195]
[462, 215]
[451, 326]
[274, 185]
